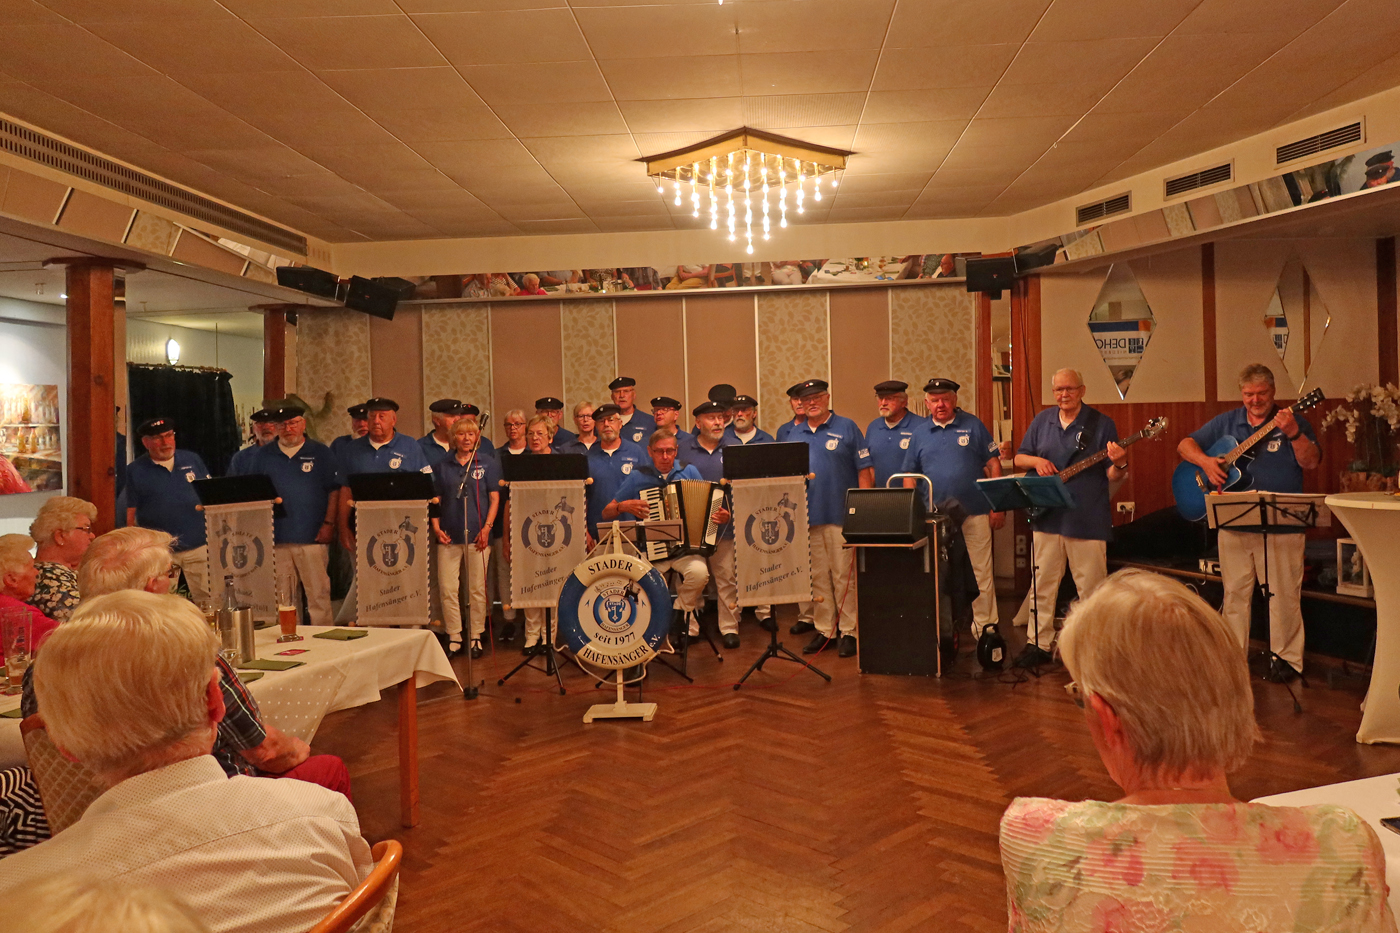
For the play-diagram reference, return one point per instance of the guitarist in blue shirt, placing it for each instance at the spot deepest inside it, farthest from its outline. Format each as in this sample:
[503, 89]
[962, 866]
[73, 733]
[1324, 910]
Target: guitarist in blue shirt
[1279, 461]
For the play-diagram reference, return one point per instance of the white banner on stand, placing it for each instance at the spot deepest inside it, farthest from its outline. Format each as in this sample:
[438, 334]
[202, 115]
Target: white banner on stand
[392, 540]
[546, 539]
[241, 546]
[770, 540]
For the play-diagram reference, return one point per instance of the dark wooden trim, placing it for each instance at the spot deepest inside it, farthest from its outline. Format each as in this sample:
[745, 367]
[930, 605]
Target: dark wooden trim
[1387, 326]
[983, 344]
[92, 465]
[1208, 347]
[274, 353]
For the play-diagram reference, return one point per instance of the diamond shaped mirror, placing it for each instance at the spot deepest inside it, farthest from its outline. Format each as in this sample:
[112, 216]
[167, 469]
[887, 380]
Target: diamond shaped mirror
[1121, 324]
[1297, 320]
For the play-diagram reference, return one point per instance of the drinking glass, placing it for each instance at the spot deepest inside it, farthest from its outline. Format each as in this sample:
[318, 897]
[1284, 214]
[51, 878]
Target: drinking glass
[287, 609]
[16, 638]
[210, 607]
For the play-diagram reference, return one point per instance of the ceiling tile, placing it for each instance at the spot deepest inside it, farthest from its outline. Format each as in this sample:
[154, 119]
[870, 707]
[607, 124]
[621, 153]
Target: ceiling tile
[854, 183]
[849, 199]
[271, 8]
[28, 13]
[376, 90]
[768, 25]
[717, 115]
[940, 23]
[675, 78]
[546, 36]
[1114, 127]
[161, 110]
[581, 118]
[544, 83]
[653, 208]
[642, 222]
[807, 72]
[1231, 17]
[1109, 19]
[257, 162]
[304, 129]
[1381, 77]
[621, 32]
[549, 226]
[443, 124]
[1015, 131]
[1038, 100]
[477, 6]
[1012, 157]
[381, 158]
[836, 137]
[1185, 72]
[481, 153]
[803, 110]
[960, 66]
[178, 47]
[961, 193]
[28, 53]
[852, 215]
[284, 92]
[87, 12]
[583, 148]
[875, 137]
[351, 41]
[994, 174]
[951, 103]
[1100, 62]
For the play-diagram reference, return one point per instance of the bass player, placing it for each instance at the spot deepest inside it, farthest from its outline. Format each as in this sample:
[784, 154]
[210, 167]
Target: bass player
[1055, 438]
[1279, 461]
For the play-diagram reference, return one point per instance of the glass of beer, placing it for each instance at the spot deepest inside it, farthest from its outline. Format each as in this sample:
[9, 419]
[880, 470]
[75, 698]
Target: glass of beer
[16, 633]
[287, 609]
[210, 607]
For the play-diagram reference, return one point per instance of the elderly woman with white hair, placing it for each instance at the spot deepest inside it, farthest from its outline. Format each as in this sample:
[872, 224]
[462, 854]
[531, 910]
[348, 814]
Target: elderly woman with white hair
[62, 530]
[1166, 698]
[17, 576]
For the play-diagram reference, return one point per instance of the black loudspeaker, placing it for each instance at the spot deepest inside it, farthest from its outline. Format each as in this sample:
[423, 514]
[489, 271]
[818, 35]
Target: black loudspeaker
[991, 275]
[402, 288]
[307, 279]
[884, 516]
[371, 298]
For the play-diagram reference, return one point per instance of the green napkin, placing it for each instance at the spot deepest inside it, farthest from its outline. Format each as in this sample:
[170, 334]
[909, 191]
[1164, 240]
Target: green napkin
[267, 664]
[12, 714]
[342, 634]
[250, 676]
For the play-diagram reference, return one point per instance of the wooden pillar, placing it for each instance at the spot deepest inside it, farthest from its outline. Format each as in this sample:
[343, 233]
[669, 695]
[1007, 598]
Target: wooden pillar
[983, 369]
[274, 352]
[1208, 347]
[91, 440]
[1387, 327]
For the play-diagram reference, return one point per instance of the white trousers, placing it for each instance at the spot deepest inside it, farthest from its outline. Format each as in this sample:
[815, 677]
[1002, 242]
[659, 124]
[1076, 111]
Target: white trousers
[1088, 563]
[451, 559]
[1241, 563]
[977, 535]
[722, 571]
[692, 575]
[534, 627]
[498, 583]
[195, 564]
[833, 580]
[306, 564]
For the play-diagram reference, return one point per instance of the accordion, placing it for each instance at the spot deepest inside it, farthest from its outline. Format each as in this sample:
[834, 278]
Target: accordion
[692, 502]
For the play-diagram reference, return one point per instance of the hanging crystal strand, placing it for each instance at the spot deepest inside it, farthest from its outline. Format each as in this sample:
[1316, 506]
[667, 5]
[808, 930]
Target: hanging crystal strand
[661, 186]
[694, 191]
[782, 192]
[677, 184]
[748, 202]
[767, 225]
[729, 190]
[801, 180]
[816, 182]
[714, 203]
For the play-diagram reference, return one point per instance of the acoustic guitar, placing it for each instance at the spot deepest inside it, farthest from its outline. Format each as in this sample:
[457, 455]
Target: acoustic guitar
[1153, 428]
[1189, 482]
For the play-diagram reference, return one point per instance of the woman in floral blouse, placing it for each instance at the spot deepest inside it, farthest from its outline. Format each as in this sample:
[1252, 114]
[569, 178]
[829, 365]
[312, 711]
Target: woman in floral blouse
[63, 531]
[1166, 697]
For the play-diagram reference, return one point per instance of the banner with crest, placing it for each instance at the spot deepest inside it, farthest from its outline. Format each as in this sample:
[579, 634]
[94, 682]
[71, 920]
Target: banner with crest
[391, 562]
[547, 529]
[241, 546]
[770, 540]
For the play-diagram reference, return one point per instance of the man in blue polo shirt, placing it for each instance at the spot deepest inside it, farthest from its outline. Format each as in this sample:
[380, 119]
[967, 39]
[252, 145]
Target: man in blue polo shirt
[954, 450]
[553, 409]
[1279, 461]
[437, 444]
[359, 427]
[264, 433]
[666, 415]
[799, 416]
[706, 455]
[159, 495]
[744, 429]
[637, 426]
[888, 435]
[304, 472]
[610, 462]
[840, 460]
[1055, 438]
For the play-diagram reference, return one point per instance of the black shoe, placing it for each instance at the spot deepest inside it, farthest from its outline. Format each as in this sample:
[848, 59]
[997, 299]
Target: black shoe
[454, 648]
[846, 647]
[818, 642]
[476, 649]
[730, 640]
[801, 627]
[1032, 656]
[769, 624]
[506, 634]
[530, 650]
[1281, 672]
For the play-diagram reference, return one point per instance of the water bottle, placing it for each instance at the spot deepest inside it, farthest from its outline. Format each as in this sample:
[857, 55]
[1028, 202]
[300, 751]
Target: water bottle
[228, 630]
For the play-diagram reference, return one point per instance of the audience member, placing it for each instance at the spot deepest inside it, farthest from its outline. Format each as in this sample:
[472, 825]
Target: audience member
[62, 530]
[17, 576]
[1167, 701]
[77, 904]
[130, 690]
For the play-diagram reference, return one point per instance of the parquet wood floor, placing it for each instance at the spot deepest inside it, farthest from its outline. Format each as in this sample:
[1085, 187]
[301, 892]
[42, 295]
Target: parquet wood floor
[868, 804]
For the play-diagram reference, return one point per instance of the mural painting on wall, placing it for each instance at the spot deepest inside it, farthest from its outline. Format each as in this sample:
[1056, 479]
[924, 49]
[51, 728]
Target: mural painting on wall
[783, 272]
[1121, 324]
[31, 439]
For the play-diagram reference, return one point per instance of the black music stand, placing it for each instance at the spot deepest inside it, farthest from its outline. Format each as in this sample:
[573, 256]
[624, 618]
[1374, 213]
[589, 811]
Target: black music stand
[542, 467]
[1034, 492]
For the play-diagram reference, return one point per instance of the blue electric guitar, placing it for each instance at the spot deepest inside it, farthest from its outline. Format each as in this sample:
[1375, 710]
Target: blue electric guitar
[1189, 482]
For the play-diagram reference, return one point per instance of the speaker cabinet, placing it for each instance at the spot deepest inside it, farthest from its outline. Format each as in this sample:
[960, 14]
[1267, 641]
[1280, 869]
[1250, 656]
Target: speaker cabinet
[307, 279]
[371, 297]
[884, 516]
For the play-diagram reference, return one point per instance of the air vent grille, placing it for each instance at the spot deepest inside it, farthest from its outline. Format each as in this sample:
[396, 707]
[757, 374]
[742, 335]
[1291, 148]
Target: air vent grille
[1341, 136]
[1119, 204]
[46, 150]
[1202, 179]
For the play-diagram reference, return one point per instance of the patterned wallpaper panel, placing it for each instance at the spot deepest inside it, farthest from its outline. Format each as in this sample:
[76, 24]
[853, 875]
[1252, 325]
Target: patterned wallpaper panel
[332, 368]
[590, 353]
[793, 345]
[932, 333]
[457, 356]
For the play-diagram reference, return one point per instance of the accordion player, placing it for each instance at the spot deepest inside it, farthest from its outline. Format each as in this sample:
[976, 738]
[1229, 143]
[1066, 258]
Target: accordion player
[692, 503]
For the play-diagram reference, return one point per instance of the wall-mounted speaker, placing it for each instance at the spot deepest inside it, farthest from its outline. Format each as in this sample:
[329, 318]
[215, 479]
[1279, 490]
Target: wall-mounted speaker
[307, 279]
[991, 275]
[371, 297]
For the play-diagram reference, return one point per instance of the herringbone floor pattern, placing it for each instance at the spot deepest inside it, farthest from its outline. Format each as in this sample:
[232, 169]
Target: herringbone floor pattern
[867, 804]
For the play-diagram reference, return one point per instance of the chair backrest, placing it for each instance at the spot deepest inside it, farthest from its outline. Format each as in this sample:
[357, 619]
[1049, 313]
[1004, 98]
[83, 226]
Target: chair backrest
[381, 883]
[66, 787]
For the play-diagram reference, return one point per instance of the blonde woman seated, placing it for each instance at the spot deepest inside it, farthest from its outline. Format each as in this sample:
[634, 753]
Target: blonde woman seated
[1167, 700]
[469, 486]
[62, 530]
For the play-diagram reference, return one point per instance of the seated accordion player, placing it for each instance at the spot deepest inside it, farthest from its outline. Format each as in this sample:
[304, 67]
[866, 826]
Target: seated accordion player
[693, 504]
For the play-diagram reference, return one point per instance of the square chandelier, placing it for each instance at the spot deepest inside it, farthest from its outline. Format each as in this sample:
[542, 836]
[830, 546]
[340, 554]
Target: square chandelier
[743, 169]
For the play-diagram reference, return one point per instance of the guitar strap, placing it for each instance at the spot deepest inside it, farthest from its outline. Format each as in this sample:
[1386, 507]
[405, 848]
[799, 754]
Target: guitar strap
[1087, 433]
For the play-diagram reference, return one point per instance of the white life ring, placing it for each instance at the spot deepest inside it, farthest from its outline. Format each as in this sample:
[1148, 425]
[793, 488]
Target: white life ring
[614, 611]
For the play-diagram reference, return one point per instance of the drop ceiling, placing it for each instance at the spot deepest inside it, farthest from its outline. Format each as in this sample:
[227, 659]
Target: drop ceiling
[355, 120]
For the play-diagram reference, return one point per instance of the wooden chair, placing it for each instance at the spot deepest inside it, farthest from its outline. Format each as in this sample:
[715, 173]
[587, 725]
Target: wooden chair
[66, 787]
[379, 892]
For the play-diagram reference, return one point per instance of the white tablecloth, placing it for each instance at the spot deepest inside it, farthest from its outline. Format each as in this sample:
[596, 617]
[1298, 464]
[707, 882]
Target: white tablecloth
[337, 675]
[1372, 799]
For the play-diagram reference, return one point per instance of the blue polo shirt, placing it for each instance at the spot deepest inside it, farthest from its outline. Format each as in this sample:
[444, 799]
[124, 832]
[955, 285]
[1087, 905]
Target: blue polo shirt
[889, 444]
[242, 458]
[639, 427]
[731, 437]
[499, 528]
[1275, 468]
[401, 454]
[562, 438]
[953, 457]
[165, 499]
[608, 472]
[305, 481]
[338, 445]
[785, 431]
[710, 466]
[838, 454]
[465, 490]
[435, 453]
[1091, 518]
[646, 477]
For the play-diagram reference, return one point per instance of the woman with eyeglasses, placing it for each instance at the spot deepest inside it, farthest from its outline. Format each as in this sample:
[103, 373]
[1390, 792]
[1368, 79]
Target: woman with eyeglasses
[499, 584]
[539, 435]
[468, 487]
[62, 530]
[1165, 696]
[587, 436]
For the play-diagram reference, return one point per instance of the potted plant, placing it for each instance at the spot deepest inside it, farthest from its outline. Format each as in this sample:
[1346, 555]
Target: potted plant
[1371, 415]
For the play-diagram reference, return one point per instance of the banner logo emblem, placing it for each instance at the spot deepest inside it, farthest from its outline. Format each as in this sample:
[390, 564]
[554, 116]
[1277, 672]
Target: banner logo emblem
[391, 550]
[831, 444]
[548, 531]
[240, 551]
[776, 529]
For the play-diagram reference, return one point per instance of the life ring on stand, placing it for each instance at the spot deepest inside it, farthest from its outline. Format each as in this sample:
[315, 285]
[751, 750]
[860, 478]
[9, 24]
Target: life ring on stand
[614, 611]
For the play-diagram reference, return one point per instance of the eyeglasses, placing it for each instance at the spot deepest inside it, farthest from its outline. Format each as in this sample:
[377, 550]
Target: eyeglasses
[1075, 694]
[173, 572]
[515, 424]
[1061, 389]
[86, 529]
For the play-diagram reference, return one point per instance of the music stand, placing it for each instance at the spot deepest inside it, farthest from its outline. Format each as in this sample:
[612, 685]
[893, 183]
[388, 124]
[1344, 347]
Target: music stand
[1034, 492]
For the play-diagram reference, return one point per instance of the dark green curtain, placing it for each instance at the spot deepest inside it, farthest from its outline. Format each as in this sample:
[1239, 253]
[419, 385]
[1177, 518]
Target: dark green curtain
[199, 401]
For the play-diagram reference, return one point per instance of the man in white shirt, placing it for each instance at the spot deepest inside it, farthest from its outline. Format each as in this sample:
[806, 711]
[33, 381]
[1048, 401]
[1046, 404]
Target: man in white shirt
[140, 710]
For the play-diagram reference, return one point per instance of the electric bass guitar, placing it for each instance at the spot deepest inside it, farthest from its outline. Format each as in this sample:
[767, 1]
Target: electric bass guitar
[1189, 482]
[1153, 429]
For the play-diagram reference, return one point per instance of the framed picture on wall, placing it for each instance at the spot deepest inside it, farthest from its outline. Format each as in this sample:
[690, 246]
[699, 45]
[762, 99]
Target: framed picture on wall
[31, 439]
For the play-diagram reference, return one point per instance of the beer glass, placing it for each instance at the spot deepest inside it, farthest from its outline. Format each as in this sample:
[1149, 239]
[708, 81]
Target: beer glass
[16, 638]
[287, 609]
